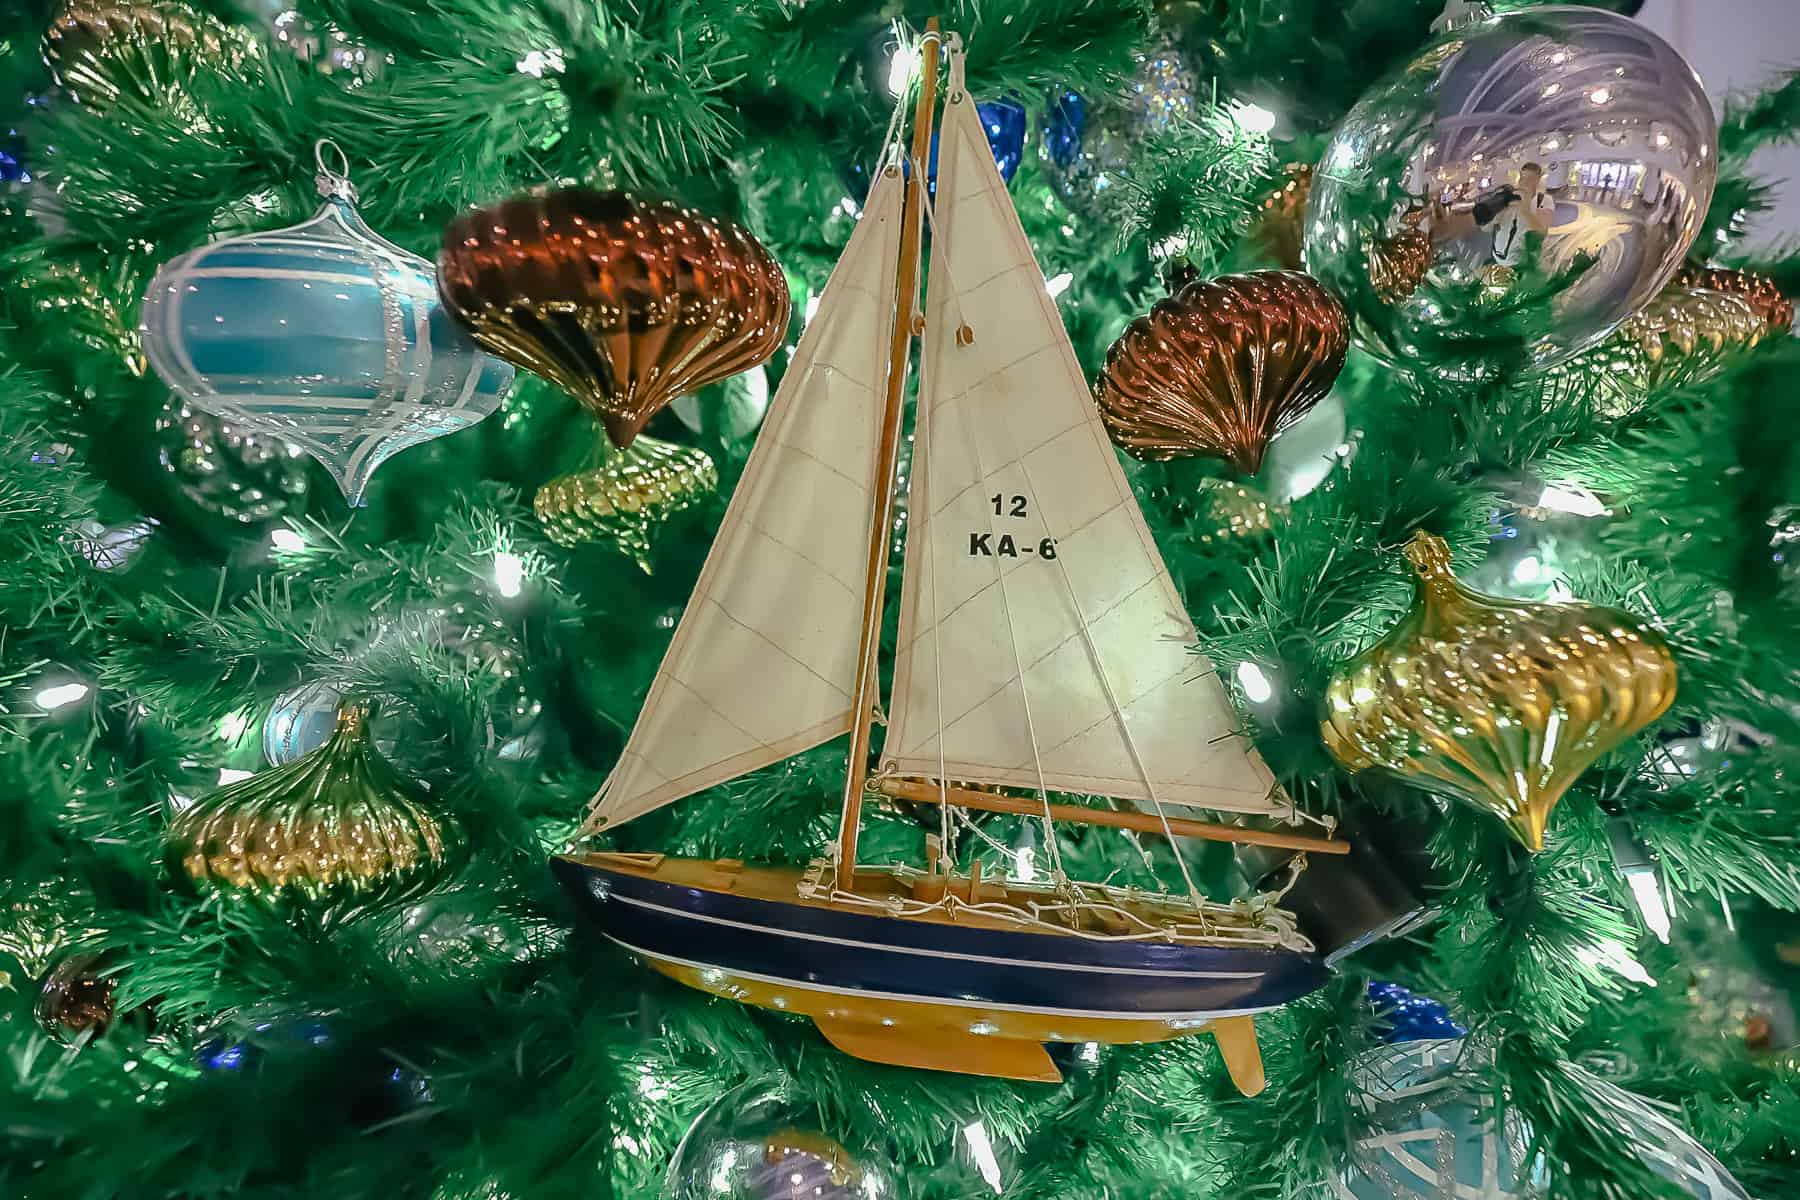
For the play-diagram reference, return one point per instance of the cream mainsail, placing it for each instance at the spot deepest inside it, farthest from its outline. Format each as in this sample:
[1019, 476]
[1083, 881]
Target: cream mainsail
[763, 663]
[1041, 641]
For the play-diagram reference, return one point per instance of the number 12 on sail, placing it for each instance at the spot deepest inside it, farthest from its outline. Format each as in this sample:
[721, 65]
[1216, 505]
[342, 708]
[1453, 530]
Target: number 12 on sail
[1042, 649]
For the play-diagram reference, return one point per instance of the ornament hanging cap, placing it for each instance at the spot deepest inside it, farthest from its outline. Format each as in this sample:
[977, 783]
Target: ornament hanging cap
[333, 183]
[1460, 14]
[1429, 555]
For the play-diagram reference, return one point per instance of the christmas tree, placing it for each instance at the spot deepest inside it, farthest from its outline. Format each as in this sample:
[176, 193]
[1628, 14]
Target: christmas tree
[377, 375]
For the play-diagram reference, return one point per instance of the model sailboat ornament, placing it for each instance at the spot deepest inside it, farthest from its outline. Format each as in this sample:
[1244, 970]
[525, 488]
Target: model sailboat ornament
[1042, 646]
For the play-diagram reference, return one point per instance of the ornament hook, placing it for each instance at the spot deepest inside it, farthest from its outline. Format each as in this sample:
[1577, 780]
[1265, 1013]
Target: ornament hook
[333, 182]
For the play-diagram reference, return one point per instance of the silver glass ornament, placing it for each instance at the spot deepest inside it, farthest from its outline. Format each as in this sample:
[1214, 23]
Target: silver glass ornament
[1435, 1130]
[757, 1143]
[301, 721]
[1432, 1129]
[1088, 145]
[1519, 188]
[111, 547]
[322, 333]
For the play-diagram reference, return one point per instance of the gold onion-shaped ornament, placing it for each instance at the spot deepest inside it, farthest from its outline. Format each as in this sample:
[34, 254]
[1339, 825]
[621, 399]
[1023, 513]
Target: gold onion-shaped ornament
[338, 825]
[1499, 703]
[624, 494]
[1683, 336]
[102, 52]
[1280, 223]
[1222, 366]
[623, 303]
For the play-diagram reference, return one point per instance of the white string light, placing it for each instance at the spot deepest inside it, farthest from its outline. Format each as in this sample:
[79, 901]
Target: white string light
[509, 573]
[60, 695]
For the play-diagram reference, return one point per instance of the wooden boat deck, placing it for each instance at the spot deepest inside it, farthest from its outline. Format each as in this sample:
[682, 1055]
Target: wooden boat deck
[1166, 917]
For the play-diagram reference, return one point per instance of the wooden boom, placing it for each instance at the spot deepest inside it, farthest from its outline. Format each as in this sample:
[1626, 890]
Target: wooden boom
[924, 792]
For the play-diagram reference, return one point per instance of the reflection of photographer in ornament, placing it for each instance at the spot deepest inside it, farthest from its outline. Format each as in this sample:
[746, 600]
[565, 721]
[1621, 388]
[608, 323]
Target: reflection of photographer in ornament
[1516, 215]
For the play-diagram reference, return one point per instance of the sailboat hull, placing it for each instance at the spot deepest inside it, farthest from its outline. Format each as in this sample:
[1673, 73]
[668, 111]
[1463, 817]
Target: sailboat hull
[929, 992]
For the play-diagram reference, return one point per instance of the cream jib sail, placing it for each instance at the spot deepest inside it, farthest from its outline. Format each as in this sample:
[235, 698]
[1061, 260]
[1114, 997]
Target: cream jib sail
[763, 663]
[1042, 643]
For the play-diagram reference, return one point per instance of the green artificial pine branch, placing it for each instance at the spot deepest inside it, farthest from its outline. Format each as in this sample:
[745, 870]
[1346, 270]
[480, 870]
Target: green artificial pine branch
[480, 1042]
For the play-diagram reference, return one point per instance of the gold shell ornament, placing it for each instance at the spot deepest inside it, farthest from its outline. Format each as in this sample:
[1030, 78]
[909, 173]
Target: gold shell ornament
[337, 824]
[104, 52]
[1499, 703]
[624, 494]
[1684, 336]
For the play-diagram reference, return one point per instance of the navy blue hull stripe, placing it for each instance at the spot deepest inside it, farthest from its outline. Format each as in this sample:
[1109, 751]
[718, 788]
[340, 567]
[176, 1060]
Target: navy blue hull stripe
[853, 952]
[1081, 1014]
[944, 954]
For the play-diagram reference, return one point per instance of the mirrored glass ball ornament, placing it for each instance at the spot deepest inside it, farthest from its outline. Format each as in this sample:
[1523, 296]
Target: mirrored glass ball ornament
[324, 334]
[1518, 189]
[755, 1143]
[301, 721]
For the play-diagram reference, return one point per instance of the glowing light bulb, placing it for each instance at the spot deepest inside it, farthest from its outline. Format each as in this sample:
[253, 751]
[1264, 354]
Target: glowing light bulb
[233, 726]
[1256, 685]
[1648, 896]
[1253, 118]
[1056, 285]
[287, 541]
[60, 695]
[509, 573]
[901, 68]
[981, 1149]
[1565, 495]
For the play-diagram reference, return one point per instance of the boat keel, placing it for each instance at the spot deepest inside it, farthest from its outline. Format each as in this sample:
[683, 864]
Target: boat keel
[1243, 1057]
[942, 1050]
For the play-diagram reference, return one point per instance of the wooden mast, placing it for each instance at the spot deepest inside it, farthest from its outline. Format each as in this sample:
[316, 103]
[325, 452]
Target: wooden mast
[886, 461]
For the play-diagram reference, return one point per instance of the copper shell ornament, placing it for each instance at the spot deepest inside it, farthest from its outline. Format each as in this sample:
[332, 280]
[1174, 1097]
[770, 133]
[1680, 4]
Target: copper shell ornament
[1223, 366]
[338, 826]
[1499, 703]
[624, 303]
[76, 996]
[625, 494]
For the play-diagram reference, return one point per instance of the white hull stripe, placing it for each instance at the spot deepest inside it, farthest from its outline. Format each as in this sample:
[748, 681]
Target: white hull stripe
[1072, 1013]
[924, 953]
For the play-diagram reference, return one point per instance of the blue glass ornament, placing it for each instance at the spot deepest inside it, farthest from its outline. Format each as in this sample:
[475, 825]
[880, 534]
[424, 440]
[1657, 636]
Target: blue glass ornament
[247, 1052]
[301, 721]
[322, 333]
[12, 159]
[1406, 1017]
[1065, 121]
[1003, 121]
